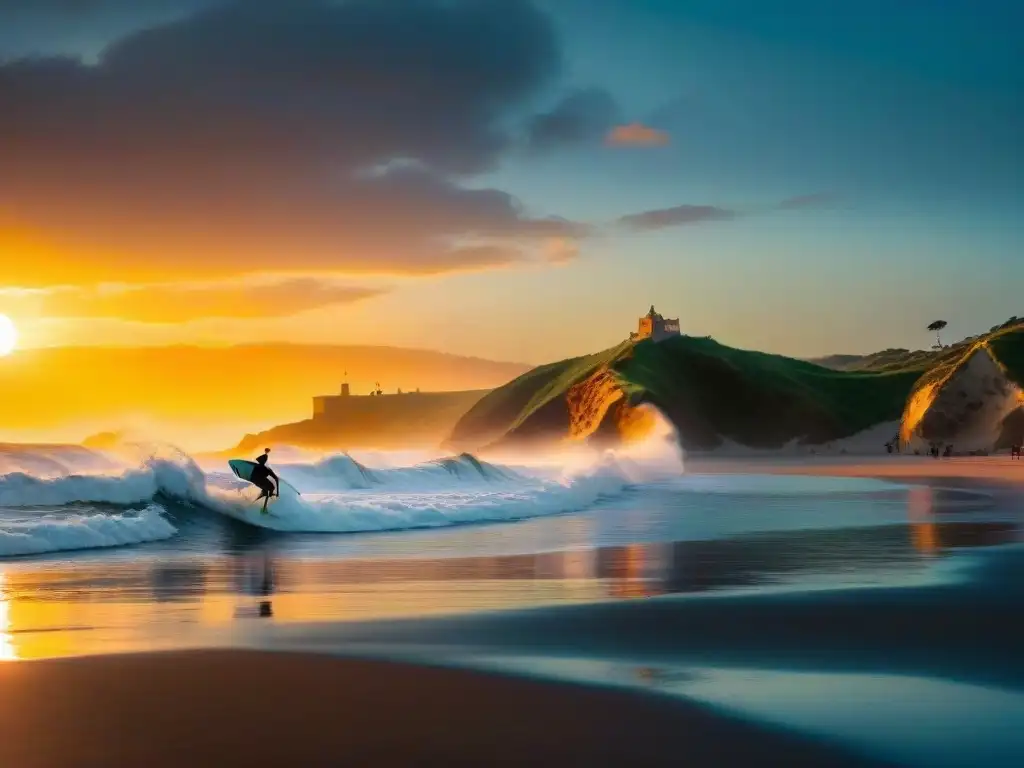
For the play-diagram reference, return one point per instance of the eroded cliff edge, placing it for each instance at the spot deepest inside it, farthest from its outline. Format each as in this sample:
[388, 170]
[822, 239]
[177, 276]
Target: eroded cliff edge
[711, 393]
[967, 395]
[973, 403]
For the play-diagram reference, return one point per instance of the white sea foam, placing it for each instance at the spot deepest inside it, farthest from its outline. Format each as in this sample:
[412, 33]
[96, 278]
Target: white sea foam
[27, 534]
[115, 484]
[462, 493]
[343, 472]
[335, 494]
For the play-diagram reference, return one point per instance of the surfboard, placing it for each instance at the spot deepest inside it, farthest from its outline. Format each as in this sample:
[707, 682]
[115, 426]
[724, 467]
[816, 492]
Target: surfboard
[243, 469]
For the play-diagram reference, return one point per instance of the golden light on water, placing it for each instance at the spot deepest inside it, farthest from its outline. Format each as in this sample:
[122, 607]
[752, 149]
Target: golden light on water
[7, 650]
[8, 336]
[922, 520]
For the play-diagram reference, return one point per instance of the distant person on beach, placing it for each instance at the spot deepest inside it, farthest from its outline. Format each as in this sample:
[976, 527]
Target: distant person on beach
[260, 477]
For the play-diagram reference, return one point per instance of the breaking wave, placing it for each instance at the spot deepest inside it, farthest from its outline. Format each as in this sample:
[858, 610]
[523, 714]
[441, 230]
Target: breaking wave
[56, 532]
[64, 498]
[340, 495]
[342, 472]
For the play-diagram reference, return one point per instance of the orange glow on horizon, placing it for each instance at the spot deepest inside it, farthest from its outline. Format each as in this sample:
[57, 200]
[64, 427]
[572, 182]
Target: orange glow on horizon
[8, 336]
[207, 398]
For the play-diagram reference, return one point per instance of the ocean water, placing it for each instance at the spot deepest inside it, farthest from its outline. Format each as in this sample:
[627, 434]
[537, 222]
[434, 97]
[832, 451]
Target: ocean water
[848, 608]
[57, 499]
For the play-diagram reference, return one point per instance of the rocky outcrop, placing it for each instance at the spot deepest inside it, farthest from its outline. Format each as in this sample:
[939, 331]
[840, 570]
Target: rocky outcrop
[601, 412]
[970, 407]
[588, 402]
[595, 410]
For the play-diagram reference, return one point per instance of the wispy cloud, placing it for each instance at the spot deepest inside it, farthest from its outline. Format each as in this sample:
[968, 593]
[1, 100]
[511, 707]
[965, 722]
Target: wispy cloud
[682, 215]
[636, 135]
[673, 217]
[560, 250]
[184, 302]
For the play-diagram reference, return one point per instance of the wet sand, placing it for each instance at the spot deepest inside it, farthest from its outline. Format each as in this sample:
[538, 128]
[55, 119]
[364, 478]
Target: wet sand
[988, 468]
[965, 629]
[247, 708]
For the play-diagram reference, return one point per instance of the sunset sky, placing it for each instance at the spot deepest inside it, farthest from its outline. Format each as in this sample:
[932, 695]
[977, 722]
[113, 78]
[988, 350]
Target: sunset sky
[510, 179]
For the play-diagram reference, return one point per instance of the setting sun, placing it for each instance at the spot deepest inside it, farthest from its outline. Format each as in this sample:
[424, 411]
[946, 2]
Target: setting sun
[8, 335]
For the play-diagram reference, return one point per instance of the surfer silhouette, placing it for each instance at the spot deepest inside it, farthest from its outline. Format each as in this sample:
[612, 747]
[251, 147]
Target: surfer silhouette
[260, 477]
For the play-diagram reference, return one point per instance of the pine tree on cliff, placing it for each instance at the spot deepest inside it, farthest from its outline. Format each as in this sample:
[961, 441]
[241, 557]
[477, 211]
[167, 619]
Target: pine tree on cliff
[937, 326]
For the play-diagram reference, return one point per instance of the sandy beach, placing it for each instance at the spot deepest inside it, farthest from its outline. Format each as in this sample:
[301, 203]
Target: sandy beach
[987, 468]
[242, 708]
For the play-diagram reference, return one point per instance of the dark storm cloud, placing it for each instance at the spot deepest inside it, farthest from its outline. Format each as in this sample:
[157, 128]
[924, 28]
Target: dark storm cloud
[264, 135]
[80, 27]
[583, 115]
[86, 7]
[674, 217]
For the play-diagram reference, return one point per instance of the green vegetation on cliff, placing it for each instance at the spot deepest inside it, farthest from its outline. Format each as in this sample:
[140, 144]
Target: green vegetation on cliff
[1006, 345]
[920, 359]
[1008, 348]
[510, 407]
[712, 392]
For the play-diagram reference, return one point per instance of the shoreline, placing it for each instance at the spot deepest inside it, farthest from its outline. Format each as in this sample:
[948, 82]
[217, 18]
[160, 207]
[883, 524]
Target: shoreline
[987, 468]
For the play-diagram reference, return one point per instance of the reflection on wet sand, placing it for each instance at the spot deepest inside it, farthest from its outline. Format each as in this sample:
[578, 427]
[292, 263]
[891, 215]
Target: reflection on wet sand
[257, 578]
[920, 509]
[7, 651]
[85, 607]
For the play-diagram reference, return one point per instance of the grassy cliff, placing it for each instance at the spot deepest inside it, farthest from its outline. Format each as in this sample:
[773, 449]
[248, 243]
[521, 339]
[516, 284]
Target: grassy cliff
[714, 393]
[528, 404]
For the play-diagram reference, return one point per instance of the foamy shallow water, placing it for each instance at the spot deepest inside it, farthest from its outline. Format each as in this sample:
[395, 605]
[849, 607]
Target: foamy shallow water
[68, 498]
[63, 499]
[58, 499]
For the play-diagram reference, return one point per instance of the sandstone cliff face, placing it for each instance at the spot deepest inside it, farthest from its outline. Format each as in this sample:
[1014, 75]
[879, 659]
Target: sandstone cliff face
[588, 403]
[599, 411]
[969, 410]
[595, 410]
